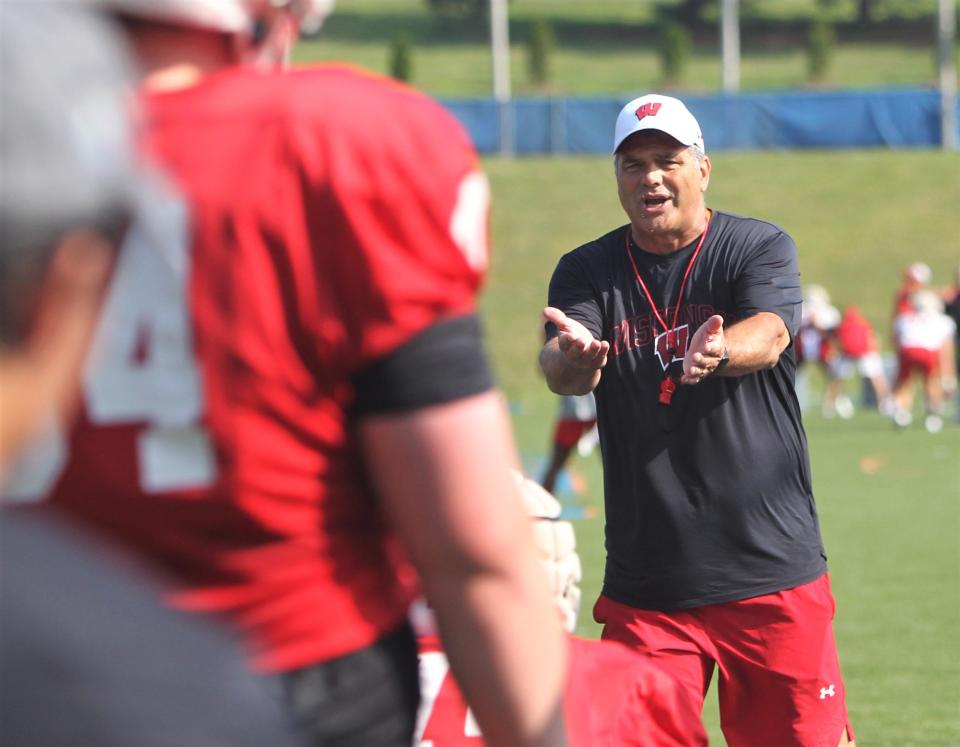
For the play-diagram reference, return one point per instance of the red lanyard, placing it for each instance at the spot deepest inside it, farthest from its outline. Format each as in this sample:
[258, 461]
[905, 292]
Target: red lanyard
[667, 386]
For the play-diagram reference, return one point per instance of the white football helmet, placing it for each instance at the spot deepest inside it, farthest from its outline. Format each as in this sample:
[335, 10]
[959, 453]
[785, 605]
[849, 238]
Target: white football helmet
[558, 547]
[815, 295]
[817, 309]
[228, 16]
[919, 272]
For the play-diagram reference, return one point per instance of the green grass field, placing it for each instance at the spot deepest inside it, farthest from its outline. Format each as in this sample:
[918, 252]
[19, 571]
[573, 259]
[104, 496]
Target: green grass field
[889, 501]
[608, 48]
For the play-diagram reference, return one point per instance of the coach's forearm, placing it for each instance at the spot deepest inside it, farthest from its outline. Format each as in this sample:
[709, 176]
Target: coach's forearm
[755, 344]
[563, 377]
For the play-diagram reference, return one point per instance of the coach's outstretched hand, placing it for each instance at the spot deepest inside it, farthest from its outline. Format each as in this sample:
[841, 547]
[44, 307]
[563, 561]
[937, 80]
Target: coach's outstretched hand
[579, 347]
[704, 351]
[571, 361]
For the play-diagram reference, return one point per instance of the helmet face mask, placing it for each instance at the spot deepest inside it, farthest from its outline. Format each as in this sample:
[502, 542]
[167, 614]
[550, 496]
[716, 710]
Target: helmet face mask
[274, 25]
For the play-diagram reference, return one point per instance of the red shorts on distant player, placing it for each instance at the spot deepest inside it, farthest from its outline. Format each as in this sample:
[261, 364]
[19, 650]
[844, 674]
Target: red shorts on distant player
[779, 674]
[568, 432]
[916, 359]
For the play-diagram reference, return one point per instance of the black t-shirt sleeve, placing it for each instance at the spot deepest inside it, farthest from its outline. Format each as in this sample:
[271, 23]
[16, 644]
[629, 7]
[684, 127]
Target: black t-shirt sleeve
[770, 281]
[572, 292]
[443, 363]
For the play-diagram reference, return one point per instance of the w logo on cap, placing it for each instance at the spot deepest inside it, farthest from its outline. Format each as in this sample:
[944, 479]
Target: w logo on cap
[648, 109]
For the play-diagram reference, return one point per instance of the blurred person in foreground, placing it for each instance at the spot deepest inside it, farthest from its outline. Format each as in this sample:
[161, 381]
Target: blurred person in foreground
[614, 697]
[289, 378]
[924, 336]
[89, 655]
[682, 322]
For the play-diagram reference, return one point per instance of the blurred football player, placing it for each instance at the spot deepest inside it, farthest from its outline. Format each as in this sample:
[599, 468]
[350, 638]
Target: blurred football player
[614, 697]
[575, 428]
[89, 655]
[924, 336]
[816, 340]
[289, 376]
[859, 353]
[916, 277]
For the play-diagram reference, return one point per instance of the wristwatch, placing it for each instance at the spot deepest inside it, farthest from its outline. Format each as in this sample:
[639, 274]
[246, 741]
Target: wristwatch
[724, 360]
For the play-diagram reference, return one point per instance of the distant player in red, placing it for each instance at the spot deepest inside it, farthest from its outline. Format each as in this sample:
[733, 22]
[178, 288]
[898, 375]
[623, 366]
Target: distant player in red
[614, 697]
[289, 372]
[576, 418]
[860, 354]
[925, 338]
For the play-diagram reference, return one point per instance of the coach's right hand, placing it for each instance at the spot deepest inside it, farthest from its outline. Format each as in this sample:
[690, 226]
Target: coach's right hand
[572, 360]
[580, 348]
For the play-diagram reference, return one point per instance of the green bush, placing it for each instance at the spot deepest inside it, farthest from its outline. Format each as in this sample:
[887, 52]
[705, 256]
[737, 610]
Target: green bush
[539, 49]
[674, 46]
[821, 40]
[401, 58]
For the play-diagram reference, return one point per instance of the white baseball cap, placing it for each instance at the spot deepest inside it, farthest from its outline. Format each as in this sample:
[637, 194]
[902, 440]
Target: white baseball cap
[656, 112]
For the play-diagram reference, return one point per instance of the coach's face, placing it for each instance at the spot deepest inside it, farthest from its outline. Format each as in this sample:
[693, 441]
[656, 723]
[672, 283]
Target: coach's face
[661, 184]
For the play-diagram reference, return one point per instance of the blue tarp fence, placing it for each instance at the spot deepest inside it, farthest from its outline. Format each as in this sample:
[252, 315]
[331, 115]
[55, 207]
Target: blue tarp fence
[888, 118]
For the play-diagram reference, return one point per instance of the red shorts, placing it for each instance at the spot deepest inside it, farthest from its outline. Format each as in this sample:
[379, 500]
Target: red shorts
[919, 359]
[568, 432]
[779, 674]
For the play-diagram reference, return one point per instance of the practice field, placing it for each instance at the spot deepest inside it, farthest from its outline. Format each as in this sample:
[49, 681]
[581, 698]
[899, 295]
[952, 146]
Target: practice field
[889, 501]
[608, 47]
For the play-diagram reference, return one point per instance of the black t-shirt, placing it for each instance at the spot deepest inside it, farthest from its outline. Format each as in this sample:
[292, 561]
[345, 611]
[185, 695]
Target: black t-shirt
[708, 499]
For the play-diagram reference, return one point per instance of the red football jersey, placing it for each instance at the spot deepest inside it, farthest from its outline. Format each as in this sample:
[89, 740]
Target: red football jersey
[855, 334]
[327, 216]
[614, 697]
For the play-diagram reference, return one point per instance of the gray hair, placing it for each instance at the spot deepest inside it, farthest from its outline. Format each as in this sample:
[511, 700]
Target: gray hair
[65, 139]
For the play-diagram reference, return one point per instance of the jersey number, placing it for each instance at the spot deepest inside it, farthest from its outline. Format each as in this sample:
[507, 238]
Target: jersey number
[444, 720]
[141, 370]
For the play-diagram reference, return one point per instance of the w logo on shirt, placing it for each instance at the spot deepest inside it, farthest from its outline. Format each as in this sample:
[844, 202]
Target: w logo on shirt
[672, 345]
[648, 110]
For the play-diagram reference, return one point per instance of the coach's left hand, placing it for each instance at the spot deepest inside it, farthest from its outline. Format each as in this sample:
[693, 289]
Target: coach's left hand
[704, 351]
